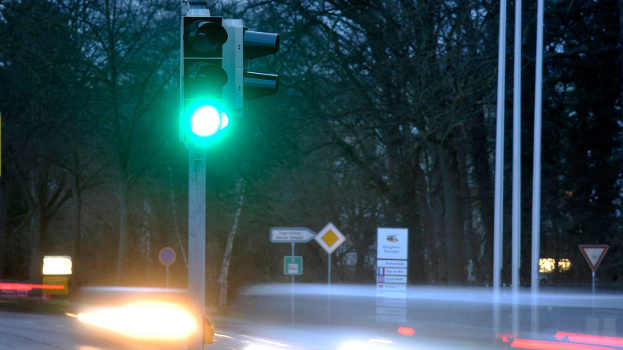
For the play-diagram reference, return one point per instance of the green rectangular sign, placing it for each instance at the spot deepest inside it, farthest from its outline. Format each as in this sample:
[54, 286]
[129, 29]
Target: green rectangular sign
[292, 265]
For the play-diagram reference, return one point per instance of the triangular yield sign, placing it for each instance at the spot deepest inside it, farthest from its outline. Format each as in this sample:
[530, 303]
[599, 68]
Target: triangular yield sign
[593, 254]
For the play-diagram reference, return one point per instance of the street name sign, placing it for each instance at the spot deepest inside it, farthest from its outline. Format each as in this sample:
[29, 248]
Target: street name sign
[291, 234]
[593, 254]
[392, 263]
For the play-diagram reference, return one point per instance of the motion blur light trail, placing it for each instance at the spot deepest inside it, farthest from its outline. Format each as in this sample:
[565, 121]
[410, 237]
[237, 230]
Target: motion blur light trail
[153, 321]
[408, 331]
[590, 339]
[551, 345]
[27, 286]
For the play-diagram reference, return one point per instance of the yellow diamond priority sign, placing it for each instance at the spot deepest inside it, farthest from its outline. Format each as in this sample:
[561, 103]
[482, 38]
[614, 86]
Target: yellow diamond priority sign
[330, 238]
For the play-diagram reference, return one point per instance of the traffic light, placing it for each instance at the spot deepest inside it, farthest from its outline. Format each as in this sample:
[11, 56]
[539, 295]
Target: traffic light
[203, 113]
[242, 46]
[258, 44]
[214, 80]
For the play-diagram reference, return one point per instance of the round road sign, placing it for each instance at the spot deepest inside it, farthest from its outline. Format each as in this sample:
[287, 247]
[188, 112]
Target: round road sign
[167, 256]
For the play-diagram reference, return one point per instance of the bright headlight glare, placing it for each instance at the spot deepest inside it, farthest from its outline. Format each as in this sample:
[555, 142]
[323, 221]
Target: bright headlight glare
[144, 320]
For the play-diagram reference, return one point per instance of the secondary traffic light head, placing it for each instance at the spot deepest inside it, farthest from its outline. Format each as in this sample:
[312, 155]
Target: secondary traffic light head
[203, 116]
[258, 44]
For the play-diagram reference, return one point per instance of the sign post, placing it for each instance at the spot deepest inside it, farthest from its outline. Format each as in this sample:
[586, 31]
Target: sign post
[593, 255]
[330, 238]
[167, 257]
[392, 255]
[292, 265]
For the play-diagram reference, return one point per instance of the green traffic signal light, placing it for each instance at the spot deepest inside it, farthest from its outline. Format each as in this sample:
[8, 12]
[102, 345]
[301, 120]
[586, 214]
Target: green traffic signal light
[202, 79]
[207, 120]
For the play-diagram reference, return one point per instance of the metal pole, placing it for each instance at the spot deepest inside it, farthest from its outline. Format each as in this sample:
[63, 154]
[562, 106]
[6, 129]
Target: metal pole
[167, 267]
[536, 175]
[329, 268]
[499, 156]
[196, 242]
[499, 172]
[536, 172]
[516, 224]
[329, 294]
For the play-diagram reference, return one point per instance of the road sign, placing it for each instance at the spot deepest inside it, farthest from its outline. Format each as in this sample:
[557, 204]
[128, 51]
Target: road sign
[330, 238]
[593, 254]
[392, 243]
[391, 271]
[292, 265]
[167, 256]
[291, 234]
[391, 279]
[392, 263]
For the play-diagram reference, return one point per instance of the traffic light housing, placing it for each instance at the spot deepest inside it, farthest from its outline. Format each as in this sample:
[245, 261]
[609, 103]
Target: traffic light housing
[258, 44]
[242, 46]
[214, 77]
[203, 113]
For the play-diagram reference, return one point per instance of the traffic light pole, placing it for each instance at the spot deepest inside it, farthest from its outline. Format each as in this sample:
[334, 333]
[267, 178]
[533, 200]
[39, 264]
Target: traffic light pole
[214, 82]
[197, 243]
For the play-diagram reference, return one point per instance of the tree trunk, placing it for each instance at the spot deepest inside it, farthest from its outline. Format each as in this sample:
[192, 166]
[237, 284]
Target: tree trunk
[77, 268]
[438, 211]
[222, 278]
[454, 238]
[36, 228]
[123, 224]
[174, 216]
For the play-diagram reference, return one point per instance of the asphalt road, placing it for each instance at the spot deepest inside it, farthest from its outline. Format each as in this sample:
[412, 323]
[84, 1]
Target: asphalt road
[355, 318]
[31, 331]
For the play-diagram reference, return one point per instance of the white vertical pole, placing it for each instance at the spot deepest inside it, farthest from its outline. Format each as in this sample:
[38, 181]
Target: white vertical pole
[196, 220]
[536, 175]
[516, 224]
[499, 156]
[196, 242]
[536, 172]
[499, 172]
[329, 294]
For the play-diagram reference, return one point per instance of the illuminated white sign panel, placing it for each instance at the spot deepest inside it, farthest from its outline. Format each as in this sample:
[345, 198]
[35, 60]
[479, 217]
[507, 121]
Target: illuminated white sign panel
[392, 243]
[56, 265]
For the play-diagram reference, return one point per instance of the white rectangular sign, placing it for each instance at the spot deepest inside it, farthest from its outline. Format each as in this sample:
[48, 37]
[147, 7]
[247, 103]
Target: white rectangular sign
[391, 271]
[391, 287]
[391, 279]
[392, 263]
[391, 311]
[391, 318]
[392, 243]
[391, 302]
[391, 295]
[291, 234]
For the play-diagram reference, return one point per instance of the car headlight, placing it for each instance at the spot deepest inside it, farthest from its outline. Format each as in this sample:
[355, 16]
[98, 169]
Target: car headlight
[144, 320]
